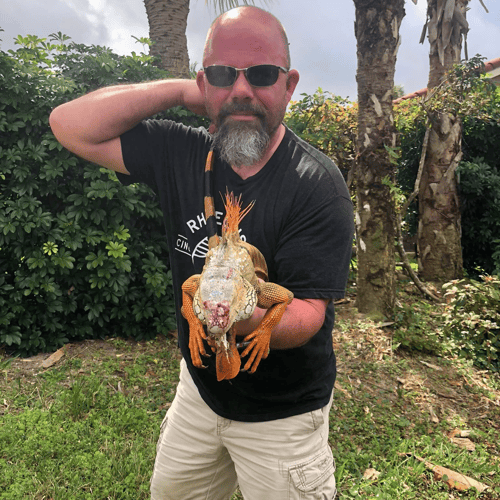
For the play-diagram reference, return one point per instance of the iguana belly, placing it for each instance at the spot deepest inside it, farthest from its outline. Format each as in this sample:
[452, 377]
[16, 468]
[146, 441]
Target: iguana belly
[223, 297]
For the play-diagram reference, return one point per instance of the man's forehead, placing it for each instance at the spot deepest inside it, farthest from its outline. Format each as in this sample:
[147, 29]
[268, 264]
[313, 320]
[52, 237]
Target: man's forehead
[234, 34]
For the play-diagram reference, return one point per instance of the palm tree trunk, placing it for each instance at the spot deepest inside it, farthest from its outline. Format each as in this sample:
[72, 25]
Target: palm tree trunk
[167, 30]
[439, 242]
[377, 33]
[439, 227]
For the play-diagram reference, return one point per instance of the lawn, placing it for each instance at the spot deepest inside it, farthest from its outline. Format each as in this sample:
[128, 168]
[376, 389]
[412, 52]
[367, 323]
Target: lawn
[86, 427]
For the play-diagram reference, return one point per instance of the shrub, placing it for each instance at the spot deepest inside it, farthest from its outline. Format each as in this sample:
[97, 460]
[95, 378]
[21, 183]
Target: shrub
[81, 256]
[480, 204]
[478, 175]
[472, 320]
[416, 329]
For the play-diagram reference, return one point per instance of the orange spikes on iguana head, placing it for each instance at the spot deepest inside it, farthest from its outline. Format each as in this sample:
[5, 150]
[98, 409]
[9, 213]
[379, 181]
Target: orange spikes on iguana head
[234, 214]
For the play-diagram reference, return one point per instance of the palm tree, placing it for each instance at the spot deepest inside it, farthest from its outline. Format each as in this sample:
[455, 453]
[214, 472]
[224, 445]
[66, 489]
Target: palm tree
[167, 30]
[439, 243]
[377, 34]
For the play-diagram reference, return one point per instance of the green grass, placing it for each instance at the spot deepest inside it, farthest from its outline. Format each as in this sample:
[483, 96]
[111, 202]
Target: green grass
[402, 392]
[85, 432]
[87, 427]
[372, 431]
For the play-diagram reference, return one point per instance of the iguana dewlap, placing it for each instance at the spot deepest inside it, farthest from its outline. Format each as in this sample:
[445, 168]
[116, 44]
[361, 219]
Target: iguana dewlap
[227, 291]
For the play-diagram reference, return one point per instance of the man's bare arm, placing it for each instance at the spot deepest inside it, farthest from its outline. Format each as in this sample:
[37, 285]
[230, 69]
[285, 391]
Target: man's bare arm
[91, 125]
[301, 321]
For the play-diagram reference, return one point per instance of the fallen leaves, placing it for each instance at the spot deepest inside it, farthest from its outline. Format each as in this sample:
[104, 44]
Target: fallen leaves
[429, 365]
[338, 387]
[371, 474]
[453, 479]
[461, 439]
[465, 443]
[54, 358]
[434, 417]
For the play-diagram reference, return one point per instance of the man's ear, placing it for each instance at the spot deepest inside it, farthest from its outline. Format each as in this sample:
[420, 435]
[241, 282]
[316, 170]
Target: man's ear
[291, 82]
[200, 81]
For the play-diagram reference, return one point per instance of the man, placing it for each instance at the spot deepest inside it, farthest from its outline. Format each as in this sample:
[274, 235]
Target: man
[267, 431]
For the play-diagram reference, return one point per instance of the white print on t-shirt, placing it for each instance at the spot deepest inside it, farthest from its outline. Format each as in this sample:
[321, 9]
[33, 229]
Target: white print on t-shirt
[182, 244]
[196, 224]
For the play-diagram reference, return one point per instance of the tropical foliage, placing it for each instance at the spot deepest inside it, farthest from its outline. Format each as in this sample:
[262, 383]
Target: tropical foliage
[330, 124]
[82, 256]
[473, 320]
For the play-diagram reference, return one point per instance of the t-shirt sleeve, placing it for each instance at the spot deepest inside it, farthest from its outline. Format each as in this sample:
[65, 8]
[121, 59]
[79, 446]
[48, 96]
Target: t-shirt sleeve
[315, 247]
[143, 147]
[155, 145]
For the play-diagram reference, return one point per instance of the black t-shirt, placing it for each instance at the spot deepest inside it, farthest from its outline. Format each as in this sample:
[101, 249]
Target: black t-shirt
[302, 222]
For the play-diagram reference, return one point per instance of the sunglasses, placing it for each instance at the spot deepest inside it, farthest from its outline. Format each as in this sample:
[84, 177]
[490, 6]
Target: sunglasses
[262, 75]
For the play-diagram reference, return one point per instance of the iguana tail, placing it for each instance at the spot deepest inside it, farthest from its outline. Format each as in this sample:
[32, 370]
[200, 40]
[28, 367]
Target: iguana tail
[209, 205]
[232, 204]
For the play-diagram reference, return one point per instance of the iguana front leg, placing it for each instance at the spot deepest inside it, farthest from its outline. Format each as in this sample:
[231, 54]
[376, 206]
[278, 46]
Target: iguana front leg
[196, 332]
[275, 299]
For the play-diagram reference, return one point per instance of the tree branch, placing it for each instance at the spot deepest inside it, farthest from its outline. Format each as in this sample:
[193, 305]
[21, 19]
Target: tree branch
[416, 188]
[406, 263]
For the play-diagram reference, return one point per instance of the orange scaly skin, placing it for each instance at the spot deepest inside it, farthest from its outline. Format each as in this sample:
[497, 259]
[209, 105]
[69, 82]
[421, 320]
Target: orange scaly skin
[227, 291]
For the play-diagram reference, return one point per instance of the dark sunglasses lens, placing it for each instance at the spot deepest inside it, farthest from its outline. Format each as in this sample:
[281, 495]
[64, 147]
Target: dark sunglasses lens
[220, 76]
[263, 75]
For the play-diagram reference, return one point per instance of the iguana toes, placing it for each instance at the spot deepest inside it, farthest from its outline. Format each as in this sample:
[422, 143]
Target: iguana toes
[227, 291]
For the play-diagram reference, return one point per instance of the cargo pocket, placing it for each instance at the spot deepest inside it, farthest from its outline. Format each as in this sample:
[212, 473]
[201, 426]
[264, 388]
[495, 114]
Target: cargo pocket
[312, 477]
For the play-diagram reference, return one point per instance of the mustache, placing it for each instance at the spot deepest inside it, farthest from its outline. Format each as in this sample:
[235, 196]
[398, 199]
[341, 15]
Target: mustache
[240, 107]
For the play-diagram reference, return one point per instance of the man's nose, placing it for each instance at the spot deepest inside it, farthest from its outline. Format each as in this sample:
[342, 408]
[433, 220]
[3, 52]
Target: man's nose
[241, 87]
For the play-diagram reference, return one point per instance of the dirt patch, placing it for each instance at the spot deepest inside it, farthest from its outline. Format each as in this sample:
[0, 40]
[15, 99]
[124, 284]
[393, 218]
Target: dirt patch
[441, 390]
[88, 351]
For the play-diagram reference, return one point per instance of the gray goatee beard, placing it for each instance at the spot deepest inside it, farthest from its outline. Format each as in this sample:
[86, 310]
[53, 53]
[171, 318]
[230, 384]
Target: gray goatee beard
[241, 143]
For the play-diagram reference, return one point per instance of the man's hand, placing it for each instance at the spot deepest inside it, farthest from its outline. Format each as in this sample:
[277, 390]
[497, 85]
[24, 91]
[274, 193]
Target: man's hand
[192, 98]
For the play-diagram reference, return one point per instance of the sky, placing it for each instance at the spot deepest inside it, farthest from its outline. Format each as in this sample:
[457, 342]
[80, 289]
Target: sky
[320, 32]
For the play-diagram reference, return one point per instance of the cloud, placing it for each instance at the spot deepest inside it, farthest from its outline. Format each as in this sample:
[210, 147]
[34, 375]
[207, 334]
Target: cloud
[323, 45]
[25, 17]
[93, 22]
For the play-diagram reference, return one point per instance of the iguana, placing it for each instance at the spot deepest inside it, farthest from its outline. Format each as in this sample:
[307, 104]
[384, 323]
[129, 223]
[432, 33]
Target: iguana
[228, 290]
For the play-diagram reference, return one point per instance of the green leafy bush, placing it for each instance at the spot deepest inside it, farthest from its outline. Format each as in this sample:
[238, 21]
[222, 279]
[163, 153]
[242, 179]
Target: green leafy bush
[479, 188]
[472, 320]
[81, 256]
[478, 175]
[416, 329]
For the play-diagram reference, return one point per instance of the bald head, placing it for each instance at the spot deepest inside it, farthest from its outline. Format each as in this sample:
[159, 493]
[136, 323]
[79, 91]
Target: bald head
[260, 27]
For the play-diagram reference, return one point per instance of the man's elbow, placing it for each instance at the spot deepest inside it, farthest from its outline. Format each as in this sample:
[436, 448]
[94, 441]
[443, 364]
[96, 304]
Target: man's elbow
[59, 127]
